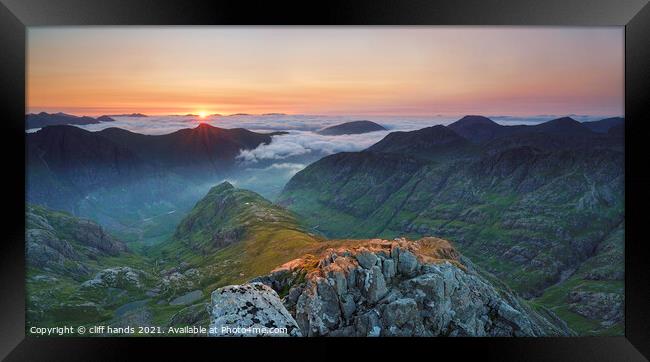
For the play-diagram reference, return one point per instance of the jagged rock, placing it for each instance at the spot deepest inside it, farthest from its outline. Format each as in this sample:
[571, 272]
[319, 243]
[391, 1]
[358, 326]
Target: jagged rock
[407, 263]
[376, 286]
[400, 318]
[366, 259]
[432, 294]
[251, 309]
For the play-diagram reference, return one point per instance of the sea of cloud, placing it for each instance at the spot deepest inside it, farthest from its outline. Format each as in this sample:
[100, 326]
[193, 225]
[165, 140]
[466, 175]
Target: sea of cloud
[267, 168]
[301, 140]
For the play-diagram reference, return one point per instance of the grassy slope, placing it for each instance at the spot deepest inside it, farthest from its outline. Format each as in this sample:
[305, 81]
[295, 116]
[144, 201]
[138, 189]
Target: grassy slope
[266, 237]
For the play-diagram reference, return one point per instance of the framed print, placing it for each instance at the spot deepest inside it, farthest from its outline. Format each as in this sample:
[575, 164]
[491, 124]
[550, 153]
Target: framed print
[437, 176]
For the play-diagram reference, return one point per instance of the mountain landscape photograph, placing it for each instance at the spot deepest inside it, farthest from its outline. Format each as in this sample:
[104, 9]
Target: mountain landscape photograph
[325, 181]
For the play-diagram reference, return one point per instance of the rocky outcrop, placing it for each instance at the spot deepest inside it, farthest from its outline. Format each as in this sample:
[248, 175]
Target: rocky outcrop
[250, 310]
[394, 288]
[93, 236]
[61, 243]
[176, 282]
[606, 307]
[119, 277]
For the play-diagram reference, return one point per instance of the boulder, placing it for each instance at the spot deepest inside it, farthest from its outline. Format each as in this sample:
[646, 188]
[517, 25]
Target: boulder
[248, 310]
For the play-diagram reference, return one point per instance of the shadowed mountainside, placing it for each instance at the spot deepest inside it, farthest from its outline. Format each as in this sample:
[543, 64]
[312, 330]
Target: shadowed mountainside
[137, 185]
[530, 204]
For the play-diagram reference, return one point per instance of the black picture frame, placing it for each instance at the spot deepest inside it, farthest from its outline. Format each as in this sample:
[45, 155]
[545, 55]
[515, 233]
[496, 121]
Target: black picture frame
[16, 15]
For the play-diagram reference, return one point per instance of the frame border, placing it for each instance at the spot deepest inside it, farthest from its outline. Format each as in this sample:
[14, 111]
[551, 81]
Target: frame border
[17, 15]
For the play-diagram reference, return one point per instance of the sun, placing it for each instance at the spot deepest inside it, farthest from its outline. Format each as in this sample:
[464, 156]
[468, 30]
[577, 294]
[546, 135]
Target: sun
[203, 114]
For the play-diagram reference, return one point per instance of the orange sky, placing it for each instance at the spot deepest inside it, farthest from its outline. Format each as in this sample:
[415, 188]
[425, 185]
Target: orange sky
[326, 70]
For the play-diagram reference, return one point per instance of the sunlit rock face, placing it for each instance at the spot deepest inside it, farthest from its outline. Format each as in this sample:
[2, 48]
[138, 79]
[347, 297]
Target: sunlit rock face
[391, 288]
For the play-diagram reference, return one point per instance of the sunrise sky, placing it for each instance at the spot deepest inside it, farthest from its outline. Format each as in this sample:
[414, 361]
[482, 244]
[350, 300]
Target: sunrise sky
[326, 70]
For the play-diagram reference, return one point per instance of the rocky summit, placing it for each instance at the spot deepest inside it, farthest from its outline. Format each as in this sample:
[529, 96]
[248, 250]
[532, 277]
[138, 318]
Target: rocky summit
[380, 288]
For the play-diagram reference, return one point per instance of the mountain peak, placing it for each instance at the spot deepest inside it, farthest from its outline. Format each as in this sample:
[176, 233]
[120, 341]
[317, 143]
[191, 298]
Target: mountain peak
[353, 127]
[563, 120]
[222, 187]
[474, 120]
[227, 215]
[204, 125]
[563, 126]
[477, 128]
[422, 141]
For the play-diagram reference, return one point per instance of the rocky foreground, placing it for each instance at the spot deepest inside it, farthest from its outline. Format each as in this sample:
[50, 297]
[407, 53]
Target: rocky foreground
[377, 288]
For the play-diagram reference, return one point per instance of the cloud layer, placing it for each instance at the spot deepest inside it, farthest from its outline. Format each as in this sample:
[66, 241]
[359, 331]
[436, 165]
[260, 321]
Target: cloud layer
[267, 168]
[302, 140]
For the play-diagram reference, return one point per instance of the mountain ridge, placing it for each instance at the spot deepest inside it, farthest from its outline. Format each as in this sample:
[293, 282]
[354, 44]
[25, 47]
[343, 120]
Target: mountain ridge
[353, 127]
[44, 119]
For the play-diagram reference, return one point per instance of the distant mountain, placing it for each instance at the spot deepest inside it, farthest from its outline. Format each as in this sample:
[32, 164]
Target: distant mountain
[531, 204]
[127, 180]
[204, 148]
[65, 163]
[129, 115]
[604, 125]
[354, 127]
[87, 157]
[424, 142]
[478, 128]
[558, 134]
[565, 126]
[43, 119]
